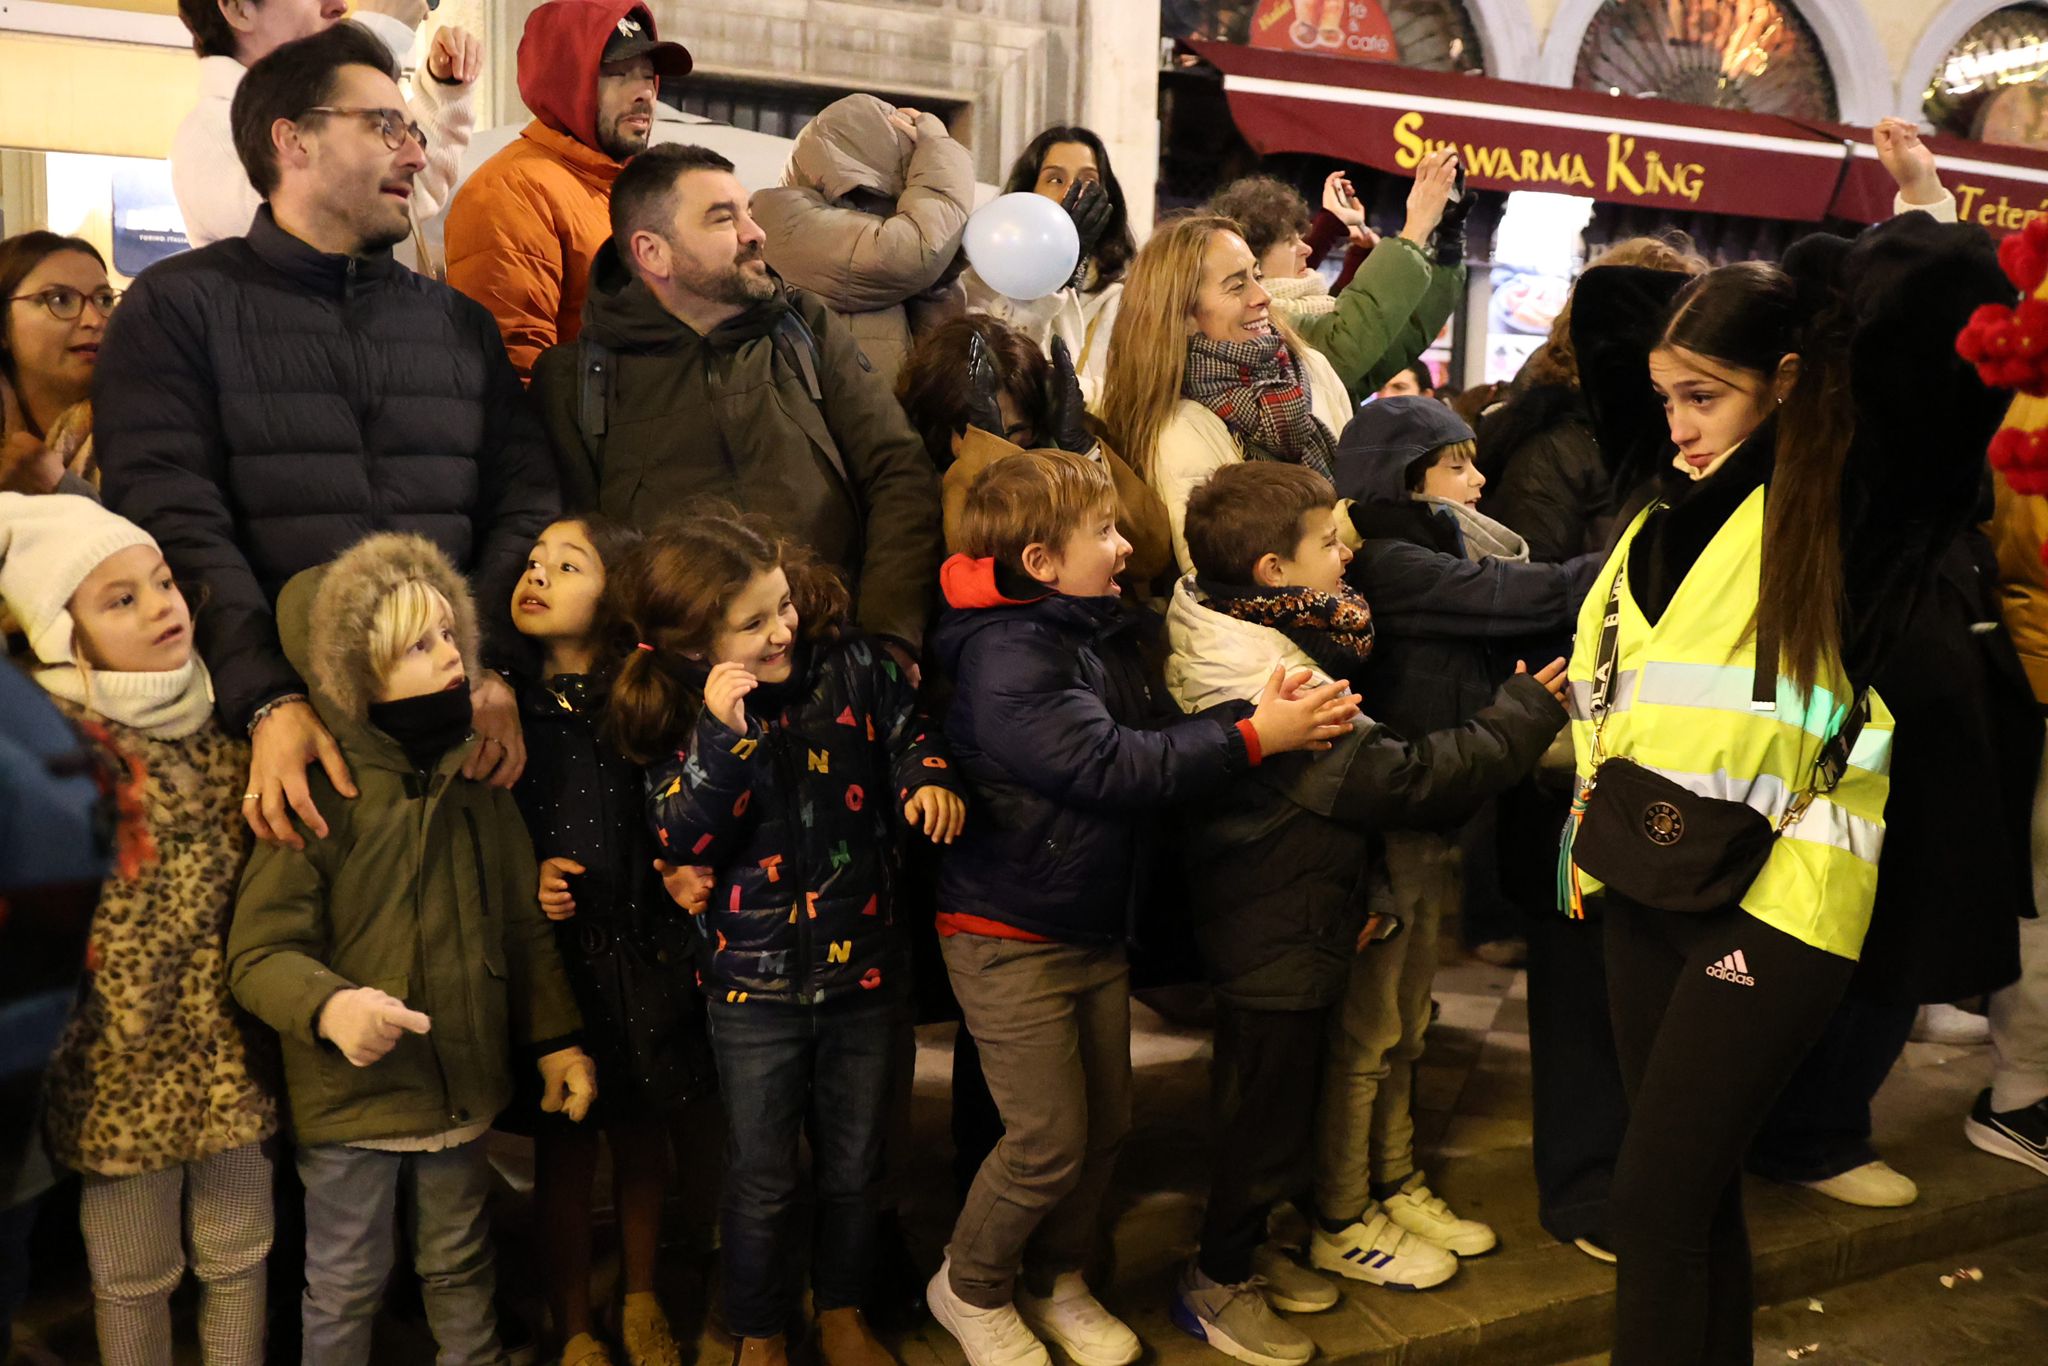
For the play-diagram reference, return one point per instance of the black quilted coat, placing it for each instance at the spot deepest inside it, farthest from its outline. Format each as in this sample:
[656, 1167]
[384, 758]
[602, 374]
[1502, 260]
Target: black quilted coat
[800, 818]
[261, 405]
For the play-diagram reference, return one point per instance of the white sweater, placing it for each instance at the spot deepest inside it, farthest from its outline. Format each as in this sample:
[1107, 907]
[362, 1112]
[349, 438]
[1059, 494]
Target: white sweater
[214, 193]
[1083, 321]
[1196, 444]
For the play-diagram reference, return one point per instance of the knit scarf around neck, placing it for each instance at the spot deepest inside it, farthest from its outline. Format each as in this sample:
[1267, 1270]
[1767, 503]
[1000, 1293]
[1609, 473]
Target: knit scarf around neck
[168, 705]
[1333, 629]
[1261, 394]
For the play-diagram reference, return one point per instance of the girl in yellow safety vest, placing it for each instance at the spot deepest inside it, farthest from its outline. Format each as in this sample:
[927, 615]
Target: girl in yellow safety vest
[1807, 442]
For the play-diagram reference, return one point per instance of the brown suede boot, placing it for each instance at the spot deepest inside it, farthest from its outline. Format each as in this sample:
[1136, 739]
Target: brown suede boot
[844, 1339]
[762, 1351]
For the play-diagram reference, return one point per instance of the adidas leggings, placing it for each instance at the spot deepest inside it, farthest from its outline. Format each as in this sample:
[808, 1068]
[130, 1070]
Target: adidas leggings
[1712, 1014]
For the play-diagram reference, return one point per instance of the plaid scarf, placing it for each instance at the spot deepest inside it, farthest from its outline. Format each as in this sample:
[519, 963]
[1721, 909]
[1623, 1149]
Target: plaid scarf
[1333, 629]
[1258, 391]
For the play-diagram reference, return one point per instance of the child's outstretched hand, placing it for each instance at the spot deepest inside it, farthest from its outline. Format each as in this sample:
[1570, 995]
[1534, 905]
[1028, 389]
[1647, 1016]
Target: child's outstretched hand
[568, 1083]
[364, 1023]
[556, 903]
[936, 811]
[1551, 676]
[689, 886]
[725, 692]
[1291, 716]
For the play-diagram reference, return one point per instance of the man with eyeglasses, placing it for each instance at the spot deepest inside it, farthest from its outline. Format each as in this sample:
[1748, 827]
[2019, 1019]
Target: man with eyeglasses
[230, 36]
[265, 402]
[522, 232]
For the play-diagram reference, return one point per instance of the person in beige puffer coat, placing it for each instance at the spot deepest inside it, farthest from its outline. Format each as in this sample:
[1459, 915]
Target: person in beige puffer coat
[869, 218]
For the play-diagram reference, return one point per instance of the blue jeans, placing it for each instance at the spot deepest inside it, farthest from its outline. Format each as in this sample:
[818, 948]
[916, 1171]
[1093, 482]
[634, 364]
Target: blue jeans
[784, 1070]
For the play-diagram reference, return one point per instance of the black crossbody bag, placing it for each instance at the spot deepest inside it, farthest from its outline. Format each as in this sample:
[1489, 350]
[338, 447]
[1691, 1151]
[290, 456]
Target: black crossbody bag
[1663, 845]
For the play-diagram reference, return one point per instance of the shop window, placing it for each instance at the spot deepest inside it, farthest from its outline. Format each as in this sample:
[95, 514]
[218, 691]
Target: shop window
[776, 109]
[1990, 85]
[1433, 35]
[1755, 55]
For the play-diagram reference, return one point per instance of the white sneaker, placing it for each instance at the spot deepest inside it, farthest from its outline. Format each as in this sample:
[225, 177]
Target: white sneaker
[1288, 1285]
[1072, 1317]
[1874, 1185]
[1379, 1251]
[1416, 1208]
[1950, 1025]
[989, 1337]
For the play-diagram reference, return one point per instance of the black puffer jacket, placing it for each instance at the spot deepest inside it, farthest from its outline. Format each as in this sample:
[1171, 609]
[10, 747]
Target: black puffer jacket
[1279, 863]
[628, 947]
[260, 406]
[1068, 747]
[1448, 629]
[800, 817]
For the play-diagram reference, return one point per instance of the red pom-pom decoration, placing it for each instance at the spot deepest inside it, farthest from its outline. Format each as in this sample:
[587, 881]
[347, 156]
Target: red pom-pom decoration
[2023, 261]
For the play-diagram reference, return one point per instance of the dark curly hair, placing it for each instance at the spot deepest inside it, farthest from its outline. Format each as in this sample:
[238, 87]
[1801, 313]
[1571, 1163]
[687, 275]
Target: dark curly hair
[1267, 210]
[933, 389]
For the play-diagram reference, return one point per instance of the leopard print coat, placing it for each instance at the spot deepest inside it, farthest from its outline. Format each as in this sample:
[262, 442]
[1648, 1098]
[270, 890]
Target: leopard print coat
[159, 1066]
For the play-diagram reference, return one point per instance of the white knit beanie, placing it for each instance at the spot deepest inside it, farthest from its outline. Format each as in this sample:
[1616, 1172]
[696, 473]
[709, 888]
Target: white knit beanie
[49, 543]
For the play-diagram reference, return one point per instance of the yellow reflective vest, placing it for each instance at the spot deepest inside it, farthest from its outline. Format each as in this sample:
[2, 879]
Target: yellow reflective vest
[1682, 705]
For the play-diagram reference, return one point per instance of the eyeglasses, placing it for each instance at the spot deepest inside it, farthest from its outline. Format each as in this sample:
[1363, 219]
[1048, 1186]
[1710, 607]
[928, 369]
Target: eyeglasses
[391, 124]
[66, 303]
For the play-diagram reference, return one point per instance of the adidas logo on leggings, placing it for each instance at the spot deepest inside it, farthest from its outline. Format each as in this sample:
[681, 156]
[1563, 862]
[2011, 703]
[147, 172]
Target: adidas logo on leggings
[1732, 969]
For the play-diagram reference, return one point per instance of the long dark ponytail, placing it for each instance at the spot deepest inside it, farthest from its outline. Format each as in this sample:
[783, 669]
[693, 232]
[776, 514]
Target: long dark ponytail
[1750, 316]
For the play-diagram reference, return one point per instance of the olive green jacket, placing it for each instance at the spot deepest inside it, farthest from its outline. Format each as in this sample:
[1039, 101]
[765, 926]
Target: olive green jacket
[1386, 317]
[425, 888]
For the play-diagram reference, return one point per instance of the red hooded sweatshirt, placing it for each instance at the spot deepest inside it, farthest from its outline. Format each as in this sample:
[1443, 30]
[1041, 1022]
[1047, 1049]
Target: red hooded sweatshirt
[522, 232]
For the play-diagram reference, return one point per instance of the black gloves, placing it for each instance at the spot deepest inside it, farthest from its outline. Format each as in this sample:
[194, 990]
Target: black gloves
[984, 401]
[1066, 412]
[1088, 204]
[1447, 242]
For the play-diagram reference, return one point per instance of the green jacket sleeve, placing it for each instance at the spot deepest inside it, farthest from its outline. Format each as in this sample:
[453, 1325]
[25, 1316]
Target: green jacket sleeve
[278, 941]
[1373, 314]
[543, 1008]
[1445, 293]
[898, 487]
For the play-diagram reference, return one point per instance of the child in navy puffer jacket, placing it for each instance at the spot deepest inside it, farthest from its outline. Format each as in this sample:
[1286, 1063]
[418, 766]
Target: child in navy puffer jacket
[787, 756]
[1066, 744]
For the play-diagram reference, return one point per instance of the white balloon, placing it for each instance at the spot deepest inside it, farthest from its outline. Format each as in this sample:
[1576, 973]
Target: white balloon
[1023, 245]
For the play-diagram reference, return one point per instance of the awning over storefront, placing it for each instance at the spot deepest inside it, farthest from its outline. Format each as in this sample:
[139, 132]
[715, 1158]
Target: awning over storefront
[1999, 188]
[1513, 136]
[1653, 153]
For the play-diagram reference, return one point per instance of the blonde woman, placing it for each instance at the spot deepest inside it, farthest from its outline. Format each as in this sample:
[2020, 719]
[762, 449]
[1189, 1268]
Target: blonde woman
[1202, 373]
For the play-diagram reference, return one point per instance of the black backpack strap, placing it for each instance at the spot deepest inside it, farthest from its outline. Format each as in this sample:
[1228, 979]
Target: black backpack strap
[594, 396]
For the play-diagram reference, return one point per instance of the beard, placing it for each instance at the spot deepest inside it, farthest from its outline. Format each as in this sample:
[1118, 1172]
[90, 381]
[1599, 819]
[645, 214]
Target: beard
[733, 283]
[621, 145]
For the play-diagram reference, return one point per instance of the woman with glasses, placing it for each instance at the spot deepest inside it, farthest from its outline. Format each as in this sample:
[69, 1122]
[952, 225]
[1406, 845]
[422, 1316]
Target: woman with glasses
[58, 298]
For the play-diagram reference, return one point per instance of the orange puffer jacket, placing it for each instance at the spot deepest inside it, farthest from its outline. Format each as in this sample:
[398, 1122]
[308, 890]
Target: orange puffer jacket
[523, 230]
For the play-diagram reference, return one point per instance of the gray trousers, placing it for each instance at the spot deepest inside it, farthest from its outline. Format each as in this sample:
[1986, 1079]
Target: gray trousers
[352, 1203]
[1365, 1135]
[1053, 1023]
[141, 1232]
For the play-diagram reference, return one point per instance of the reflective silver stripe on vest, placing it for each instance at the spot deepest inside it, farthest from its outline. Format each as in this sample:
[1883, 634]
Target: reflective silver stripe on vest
[1728, 688]
[1580, 705]
[1823, 823]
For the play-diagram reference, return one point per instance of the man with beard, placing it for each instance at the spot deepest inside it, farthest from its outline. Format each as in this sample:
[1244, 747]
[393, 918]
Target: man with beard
[265, 402]
[700, 377]
[521, 233]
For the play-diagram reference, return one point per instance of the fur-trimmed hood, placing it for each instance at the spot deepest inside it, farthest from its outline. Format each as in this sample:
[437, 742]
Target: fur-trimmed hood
[324, 616]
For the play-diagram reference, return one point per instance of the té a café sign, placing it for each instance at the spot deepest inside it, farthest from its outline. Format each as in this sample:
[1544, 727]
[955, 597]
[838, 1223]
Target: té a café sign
[1512, 136]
